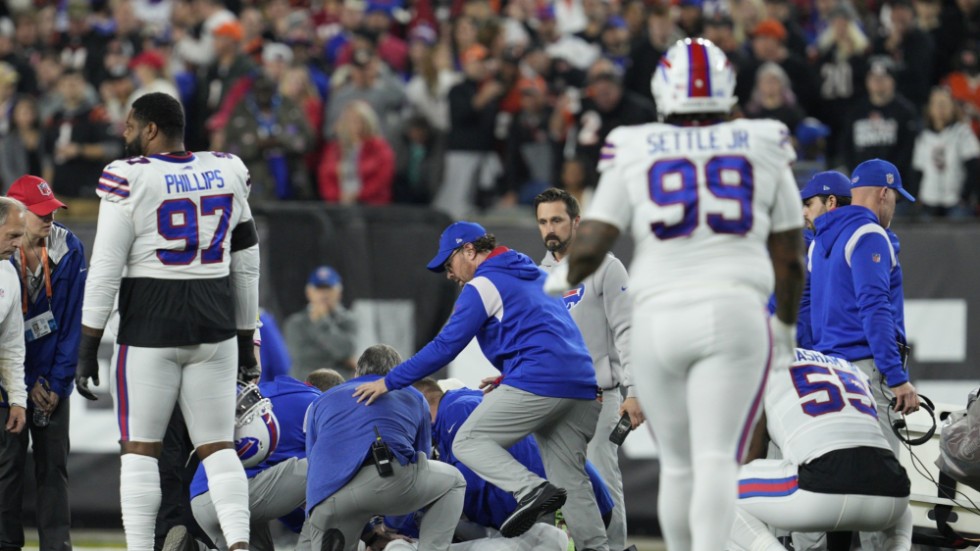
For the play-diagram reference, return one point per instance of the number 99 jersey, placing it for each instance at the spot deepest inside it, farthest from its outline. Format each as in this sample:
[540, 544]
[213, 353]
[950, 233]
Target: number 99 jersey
[819, 405]
[165, 227]
[701, 202]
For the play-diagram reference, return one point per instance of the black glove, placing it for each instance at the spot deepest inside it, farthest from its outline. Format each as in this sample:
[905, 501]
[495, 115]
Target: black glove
[248, 368]
[88, 365]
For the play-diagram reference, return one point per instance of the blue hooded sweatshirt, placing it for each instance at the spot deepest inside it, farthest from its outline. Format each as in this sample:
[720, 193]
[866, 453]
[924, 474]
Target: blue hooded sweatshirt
[853, 270]
[527, 335]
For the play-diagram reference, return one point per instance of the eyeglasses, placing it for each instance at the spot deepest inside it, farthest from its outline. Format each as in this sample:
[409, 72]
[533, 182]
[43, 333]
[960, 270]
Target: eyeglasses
[449, 260]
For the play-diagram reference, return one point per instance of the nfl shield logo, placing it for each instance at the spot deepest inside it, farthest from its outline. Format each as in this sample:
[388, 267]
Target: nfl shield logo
[44, 189]
[876, 258]
[889, 178]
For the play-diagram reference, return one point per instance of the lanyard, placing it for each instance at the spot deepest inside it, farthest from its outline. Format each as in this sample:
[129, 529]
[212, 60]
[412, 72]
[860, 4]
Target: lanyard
[47, 276]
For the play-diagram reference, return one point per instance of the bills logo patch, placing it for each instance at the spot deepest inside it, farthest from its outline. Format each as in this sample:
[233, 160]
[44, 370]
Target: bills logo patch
[44, 189]
[572, 297]
[247, 447]
[876, 258]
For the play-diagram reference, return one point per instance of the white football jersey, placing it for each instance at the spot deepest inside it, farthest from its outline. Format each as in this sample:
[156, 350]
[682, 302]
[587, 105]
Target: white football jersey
[819, 405]
[164, 217]
[701, 202]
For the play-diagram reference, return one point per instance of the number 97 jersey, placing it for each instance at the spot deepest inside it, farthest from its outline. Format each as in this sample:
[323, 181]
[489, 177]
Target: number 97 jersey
[183, 210]
[701, 202]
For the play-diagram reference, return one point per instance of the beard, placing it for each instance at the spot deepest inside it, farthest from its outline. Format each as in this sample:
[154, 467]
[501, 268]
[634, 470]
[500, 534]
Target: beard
[133, 148]
[555, 245]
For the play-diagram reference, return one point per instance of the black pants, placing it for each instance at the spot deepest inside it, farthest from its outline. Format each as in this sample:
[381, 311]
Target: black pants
[177, 467]
[50, 445]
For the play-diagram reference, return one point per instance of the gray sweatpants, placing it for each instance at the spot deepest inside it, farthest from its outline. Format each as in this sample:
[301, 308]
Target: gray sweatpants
[432, 484]
[562, 428]
[604, 455]
[272, 493]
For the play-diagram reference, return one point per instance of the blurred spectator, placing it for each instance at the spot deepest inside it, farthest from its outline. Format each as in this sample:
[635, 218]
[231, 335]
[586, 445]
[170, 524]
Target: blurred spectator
[115, 61]
[115, 92]
[570, 16]
[22, 149]
[783, 11]
[605, 106]
[883, 125]
[616, 42]
[959, 26]
[772, 97]
[80, 47]
[911, 50]
[635, 15]
[230, 65]
[15, 57]
[149, 70]
[126, 27]
[351, 18]
[564, 48]
[721, 30]
[49, 71]
[690, 17]
[964, 84]
[946, 158]
[573, 180]
[391, 49]
[464, 35]
[198, 49]
[428, 88]
[296, 86]
[366, 78]
[841, 64]
[419, 161]
[529, 163]
[78, 138]
[153, 12]
[8, 95]
[471, 163]
[27, 41]
[271, 135]
[324, 333]
[769, 44]
[648, 49]
[358, 165]
[597, 13]
[746, 16]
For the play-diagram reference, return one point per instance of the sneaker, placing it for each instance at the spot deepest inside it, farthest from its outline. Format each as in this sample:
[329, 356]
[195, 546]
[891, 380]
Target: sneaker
[546, 498]
[179, 539]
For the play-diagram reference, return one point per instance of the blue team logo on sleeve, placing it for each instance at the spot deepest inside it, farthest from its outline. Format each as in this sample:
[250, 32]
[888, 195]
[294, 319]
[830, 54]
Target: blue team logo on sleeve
[572, 297]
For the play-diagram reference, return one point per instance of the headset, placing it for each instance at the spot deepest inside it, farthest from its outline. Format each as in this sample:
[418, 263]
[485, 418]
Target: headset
[900, 428]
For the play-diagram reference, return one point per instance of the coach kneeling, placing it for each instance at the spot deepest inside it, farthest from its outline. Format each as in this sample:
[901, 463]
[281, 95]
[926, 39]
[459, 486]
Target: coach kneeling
[349, 482]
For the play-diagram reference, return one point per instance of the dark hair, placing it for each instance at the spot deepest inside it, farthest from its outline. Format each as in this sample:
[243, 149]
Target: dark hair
[430, 389]
[485, 244]
[842, 200]
[324, 379]
[162, 110]
[554, 194]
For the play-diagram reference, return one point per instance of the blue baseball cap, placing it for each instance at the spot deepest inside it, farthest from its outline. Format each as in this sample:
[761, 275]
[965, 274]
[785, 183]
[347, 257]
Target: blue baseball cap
[829, 182]
[452, 238]
[324, 276]
[879, 173]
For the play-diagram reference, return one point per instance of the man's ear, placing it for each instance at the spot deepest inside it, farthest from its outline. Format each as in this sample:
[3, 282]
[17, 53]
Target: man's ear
[575, 222]
[831, 202]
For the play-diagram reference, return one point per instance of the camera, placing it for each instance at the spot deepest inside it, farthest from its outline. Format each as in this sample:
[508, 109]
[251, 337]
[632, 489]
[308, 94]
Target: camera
[623, 428]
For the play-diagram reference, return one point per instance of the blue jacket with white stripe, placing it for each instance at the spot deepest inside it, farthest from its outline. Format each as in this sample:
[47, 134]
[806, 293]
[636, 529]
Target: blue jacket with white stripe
[856, 290]
[529, 336]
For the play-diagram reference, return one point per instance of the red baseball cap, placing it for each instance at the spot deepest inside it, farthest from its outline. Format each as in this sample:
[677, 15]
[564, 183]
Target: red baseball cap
[36, 194]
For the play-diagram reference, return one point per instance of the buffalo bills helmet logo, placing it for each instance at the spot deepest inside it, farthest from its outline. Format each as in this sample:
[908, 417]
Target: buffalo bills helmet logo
[247, 447]
[572, 297]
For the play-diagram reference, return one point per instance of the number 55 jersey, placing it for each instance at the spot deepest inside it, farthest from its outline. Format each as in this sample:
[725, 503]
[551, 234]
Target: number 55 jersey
[700, 201]
[164, 242]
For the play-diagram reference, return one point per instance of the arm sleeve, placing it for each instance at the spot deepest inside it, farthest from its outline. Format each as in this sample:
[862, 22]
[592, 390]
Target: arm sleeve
[611, 203]
[423, 437]
[12, 350]
[870, 270]
[619, 312]
[245, 286]
[113, 238]
[468, 316]
[69, 332]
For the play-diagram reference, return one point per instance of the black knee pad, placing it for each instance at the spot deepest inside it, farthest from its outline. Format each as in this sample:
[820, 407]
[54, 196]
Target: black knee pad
[333, 540]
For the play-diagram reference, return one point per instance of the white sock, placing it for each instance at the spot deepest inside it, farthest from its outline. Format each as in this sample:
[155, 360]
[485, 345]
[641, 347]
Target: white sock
[229, 493]
[139, 497]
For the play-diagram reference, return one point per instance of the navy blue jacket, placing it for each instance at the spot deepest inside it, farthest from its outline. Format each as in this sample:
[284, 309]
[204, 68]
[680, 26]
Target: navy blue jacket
[339, 434]
[527, 335]
[55, 355]
[853, 291]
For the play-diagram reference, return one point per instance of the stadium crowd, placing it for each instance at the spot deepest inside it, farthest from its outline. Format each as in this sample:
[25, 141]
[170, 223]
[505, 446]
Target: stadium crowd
[472, 104]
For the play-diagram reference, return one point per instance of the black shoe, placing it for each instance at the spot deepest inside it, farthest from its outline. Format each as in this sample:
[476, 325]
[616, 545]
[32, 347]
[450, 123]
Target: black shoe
[179, 539]
[333, 540]
[546, 498]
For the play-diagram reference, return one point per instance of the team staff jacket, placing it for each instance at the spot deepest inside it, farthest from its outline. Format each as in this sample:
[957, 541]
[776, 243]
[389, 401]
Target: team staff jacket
[290, 399]
[339, 434]
[852, 264]
[55, 355]
[602, 310]
[527, 335]
[486, 504]
[13, 390]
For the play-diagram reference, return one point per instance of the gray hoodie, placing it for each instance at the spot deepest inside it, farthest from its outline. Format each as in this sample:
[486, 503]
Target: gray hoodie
[602, 309]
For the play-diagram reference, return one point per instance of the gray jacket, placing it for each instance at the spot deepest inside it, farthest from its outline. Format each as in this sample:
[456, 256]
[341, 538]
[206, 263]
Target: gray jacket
[328, 342]
[602, 309]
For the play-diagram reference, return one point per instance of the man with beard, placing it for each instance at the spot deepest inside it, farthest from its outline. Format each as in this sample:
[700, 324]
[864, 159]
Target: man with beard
[187, 310]
[601, 308]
